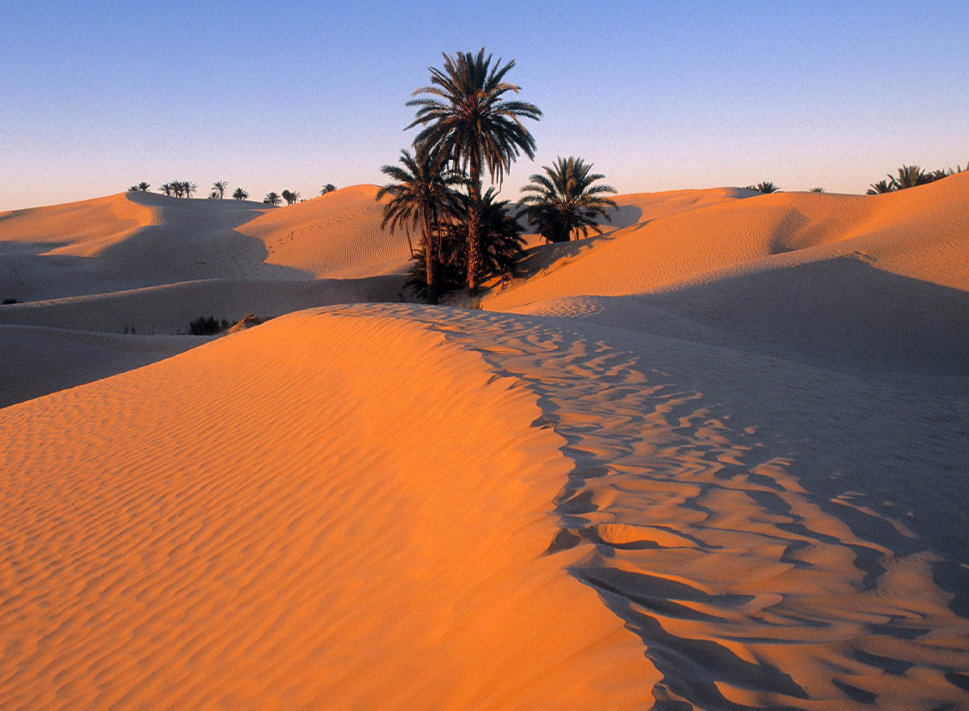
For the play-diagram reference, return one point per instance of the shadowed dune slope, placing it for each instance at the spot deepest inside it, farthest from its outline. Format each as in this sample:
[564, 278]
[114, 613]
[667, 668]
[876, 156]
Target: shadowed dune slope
[38, 360]
[249, 525]
[135, 240]
[873, 282]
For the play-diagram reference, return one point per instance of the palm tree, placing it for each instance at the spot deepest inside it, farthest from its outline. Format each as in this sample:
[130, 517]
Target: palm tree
[328, 188]
[764, 187]
[240, 194]
[167, 188]
[502, 245]
[908, 177]
[473, 128]
[565, 200]
[421, 195]
[189, 188]
[178, 188]
[271, 199]
[882, 186]
[817, 190]
[219, 187]
[290, 197]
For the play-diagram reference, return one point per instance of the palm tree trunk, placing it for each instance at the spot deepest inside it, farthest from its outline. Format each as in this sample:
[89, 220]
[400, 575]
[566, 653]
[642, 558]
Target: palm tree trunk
[474, 227]
[429, 258]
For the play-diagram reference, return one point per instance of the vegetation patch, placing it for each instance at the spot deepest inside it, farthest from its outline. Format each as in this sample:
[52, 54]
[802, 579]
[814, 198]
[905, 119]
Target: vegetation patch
[207, 326]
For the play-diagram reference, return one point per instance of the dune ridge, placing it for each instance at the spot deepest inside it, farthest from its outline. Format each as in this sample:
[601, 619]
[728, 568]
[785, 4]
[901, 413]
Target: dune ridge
[206, 560]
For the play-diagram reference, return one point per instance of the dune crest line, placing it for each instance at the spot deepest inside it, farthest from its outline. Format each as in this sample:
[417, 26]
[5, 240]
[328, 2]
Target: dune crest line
[746, 591]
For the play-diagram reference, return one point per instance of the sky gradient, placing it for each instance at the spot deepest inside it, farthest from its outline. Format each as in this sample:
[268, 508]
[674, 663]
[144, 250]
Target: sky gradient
[658, 96]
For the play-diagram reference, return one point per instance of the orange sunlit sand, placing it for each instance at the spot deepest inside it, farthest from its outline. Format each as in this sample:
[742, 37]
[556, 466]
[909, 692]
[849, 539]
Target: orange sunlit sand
[716, 456]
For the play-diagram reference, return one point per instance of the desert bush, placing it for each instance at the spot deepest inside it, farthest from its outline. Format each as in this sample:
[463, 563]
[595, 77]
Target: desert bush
[207, 326]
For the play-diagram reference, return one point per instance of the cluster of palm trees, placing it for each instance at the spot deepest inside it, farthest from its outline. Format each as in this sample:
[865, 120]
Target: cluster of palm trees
[179, 188]
[909, 176]
[469, 127]
[184, 188]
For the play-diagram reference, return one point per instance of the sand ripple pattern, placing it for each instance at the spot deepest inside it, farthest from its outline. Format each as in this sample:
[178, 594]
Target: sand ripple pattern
[745, 591]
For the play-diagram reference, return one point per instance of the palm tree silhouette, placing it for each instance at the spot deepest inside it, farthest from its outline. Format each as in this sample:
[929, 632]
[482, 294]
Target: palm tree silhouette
[189, 188]
[420, 196]
[328, 188]
[240, 194]
[564, 200]
[271, 199]
[882, 186]
[473, 128]
[219, 186]
[908, 177]
[764, 187]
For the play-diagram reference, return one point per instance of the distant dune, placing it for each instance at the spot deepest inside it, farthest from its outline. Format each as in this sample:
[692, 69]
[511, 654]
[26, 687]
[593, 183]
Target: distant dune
[714, 458]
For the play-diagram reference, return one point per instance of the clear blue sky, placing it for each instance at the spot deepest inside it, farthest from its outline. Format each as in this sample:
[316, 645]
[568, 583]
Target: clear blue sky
[97, 96]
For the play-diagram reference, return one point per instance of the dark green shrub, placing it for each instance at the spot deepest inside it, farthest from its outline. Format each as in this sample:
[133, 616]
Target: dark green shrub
[207, 326]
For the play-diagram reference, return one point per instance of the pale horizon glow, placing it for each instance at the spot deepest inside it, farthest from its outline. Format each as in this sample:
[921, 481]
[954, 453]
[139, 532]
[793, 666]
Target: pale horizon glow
[303, 94]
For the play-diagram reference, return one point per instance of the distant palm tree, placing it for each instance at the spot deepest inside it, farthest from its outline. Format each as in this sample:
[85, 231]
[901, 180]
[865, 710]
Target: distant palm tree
[178, 188]
[219, 187]
[271, 199]
[133, 189]
[168, 189]
[817, 190]
[421, 196]
[882, 186]
[908, 177]
[564, 200]
[189, 188]
[328, 188]
[765, 187]
[290, 197]
[240, 194]
[143, 186]
[470, 125]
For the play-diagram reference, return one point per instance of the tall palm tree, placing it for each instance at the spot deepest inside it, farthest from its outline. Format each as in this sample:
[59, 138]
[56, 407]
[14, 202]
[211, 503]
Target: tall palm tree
[565, 200]
[473, 128]
[167, 188]
[290, 197]
[189, 187]
[240, 194]
[219, 186]
[271, 199]
[420, 196]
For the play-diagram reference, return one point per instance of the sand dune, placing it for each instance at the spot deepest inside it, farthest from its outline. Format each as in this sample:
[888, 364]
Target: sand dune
[282, 529]
[711, 459]
[135, 240]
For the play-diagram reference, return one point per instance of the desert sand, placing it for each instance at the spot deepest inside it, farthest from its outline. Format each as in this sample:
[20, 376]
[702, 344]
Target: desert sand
[714, 458]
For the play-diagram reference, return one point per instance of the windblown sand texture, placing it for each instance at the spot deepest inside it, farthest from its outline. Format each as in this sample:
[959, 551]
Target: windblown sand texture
[714, 458]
